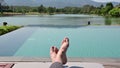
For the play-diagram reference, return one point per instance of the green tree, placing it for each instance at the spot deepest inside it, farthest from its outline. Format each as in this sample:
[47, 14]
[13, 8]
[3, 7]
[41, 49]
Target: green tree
[51, 10]
[75, 10]
[67, 10]
[59, 10]
[109, 6]
[1, 9]
[115, 12]
[87, 9]
[108, 21]
[41, 9]
[101, 6]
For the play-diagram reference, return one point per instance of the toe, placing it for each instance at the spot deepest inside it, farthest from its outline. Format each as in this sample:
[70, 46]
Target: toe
[52, 49]
[56, 50]
[67, 39]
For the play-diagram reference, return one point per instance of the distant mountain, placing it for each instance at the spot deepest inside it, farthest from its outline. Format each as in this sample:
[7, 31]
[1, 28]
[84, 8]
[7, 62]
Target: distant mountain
[53, 3]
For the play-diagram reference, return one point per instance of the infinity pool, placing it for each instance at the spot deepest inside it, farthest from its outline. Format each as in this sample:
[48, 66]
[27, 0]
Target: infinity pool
[86, 41]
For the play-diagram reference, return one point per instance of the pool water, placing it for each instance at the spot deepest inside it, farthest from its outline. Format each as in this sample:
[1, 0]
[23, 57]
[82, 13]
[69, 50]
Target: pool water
[88, 41]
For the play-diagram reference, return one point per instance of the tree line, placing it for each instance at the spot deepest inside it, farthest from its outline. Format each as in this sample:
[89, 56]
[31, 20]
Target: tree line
[106, 10]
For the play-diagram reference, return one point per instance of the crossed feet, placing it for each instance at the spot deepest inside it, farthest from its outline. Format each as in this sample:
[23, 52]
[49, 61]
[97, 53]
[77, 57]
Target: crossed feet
[59, 55]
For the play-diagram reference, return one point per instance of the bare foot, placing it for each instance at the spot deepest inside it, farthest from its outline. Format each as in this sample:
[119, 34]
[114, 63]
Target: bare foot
[65, 44]
[60, 55]
[63, 49]
[53, 53]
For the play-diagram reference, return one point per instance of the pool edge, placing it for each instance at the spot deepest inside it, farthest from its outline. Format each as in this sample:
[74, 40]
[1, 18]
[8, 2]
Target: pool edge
[38, 59]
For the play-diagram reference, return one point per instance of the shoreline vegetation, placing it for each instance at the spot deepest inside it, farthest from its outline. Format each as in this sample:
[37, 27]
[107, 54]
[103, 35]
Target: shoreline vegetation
[108, 10]
[7, 29]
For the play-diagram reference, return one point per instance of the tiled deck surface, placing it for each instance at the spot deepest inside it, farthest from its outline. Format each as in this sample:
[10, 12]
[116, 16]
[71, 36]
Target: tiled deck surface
[68, 65]
[47, 65]
[106, 62]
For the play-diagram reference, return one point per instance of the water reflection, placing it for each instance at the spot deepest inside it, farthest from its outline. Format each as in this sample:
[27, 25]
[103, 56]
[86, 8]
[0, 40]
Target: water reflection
[108, 21]
[56, 26]
[60, 19]
[116, 21]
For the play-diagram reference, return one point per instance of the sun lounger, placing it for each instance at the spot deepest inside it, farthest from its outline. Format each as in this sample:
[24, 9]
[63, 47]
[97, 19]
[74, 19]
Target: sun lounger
[6, 65]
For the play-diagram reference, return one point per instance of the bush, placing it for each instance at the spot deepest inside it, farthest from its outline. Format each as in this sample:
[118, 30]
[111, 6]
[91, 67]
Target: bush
[6, 29]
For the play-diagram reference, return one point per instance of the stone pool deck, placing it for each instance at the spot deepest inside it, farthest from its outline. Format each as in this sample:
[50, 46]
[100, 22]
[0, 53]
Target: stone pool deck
[68, 65]
[106, 62]
[47, 65]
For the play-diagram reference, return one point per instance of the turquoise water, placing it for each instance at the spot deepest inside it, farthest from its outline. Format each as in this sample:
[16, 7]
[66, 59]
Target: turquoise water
[42, 32]
[89, 41]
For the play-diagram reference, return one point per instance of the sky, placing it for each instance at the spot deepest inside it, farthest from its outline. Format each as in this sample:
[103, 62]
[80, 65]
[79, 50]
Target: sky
[107, 0]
